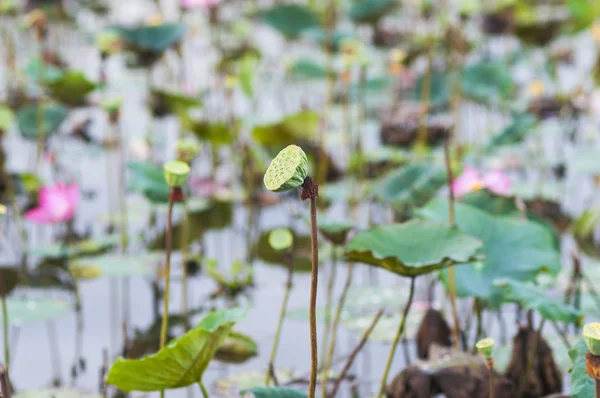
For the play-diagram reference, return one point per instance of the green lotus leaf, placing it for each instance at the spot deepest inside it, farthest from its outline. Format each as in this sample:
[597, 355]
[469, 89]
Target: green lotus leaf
[582, 385]
[118, 265]
[584, 232]
[182, 362]
[335, 231]
[322, 37]
[29, 119]
[36, 72]
[155, 39]
[370, 11]
[519, 128]
[7, 117]
[61, 392]
[439, 93]
[531, 297]
[83, 247]
[168, 103]
[237, 348]
[305, 68]
[9, 279]
[487, 82]
[513, 248]
[291, 20]
[148, 179]
[272, 392]
[583, 14]
[71, 88]
[414, 184]
[295, 128]
[413, 248]
[25, 311]
[217, 133]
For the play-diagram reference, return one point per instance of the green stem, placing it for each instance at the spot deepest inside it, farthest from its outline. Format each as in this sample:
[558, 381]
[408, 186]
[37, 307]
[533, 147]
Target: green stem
[314, 362]
[286, 296]
[425, 100]
[490, 366]
[397, 338]
[330, 284]
[169, 239]
[185, 233]
[5, 327]
[530, 359]
[203, 389]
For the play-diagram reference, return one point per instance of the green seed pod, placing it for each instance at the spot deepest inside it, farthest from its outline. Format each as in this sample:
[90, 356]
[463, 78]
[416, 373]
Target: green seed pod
[176, 173]
[281, 239]
[591, 336]
[486, 347]
[187, 150]
[288, 170]
[112, 104]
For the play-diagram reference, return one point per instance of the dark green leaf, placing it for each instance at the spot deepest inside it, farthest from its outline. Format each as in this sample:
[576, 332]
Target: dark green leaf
[152, 38]
[439, 93]
[47, 119]
[370, 11]
[9, 279]
[148, 179]
[71, 88]
[521, 126]
[301, 126]
[272, 392]
[487, 81]
[291, 20]
[582, 385]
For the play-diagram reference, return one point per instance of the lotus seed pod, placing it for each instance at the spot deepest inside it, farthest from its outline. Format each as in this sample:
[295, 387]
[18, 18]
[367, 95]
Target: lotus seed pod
[486, 347]
[281, 239]
[187, 150]
[288, 170]
[176, 173]
[3, 210]
[591, 336]
[112, 104]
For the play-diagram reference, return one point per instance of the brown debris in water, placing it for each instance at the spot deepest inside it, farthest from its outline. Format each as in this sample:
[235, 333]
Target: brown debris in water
[433, 329]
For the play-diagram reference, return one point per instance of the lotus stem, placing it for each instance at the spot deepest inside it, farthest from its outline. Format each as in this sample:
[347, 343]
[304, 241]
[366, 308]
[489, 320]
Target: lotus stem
[336, 320]
[286, 296]
[310, 190]
[353, 355]
[4, 382]
[425, 100]
[169, 241]
[326, 332]
[490, 366]
[185, 233]
[5, 329]
[397, 338]
[530, 359]
[203, 389]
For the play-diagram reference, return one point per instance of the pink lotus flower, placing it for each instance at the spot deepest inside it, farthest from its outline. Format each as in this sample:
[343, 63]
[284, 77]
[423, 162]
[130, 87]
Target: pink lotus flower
[199, 3]
[56, 204]
[471, 180]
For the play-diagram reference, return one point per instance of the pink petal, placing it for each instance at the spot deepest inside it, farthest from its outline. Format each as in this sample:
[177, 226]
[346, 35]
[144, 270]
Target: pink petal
[39, 215]
[497, 182]
[56, 204]
[468, 181]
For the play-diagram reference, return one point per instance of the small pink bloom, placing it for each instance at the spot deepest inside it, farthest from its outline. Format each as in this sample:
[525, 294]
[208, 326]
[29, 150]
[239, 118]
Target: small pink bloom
[56, 204]
[199, 3]
[208, 188]
[471, 180]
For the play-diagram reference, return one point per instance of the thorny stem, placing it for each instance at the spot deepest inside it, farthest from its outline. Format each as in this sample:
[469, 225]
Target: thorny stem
[5, 328]
[397, 338]
[530, 359]
[326, 332]
[286, 296]
[169, 242]
[353, 355]
[451, 220]
[310, 190]
[336, 319]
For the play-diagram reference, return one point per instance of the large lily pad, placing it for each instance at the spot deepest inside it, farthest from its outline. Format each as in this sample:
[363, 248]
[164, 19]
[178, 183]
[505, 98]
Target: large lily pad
[487, 81]
[152, 38]
[532, 297]
[71, 88]
[118, 265]
[290, 130]
[217, 133]
[582, 385]
[413, 248]
[513, 248]
[182, 362]
[370, 11]
[29, 119]
[148, 179]
[25, 311]
[291, 20]
[583, 13]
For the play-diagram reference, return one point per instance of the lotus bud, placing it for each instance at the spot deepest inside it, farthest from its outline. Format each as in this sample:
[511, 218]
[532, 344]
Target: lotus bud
[288, 170]
[176, 173]
[486, 347]
[591, 336]
[281, 239]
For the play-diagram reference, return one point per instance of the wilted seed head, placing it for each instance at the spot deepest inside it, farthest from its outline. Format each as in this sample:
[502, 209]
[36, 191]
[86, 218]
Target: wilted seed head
[281, 239]
[288, 170]
[176, 173]
[486, 347]
[591, 336]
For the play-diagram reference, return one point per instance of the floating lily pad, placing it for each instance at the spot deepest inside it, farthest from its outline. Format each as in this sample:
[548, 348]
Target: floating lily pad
[152, 38]
[413, 248]
[64, 392]
[237, 348]
[236, 382]
[582, 385]
[71, 88]
[519, 128]
[182, 362]
[513, 248]
[148, 178]
[118, 265]
[273, 392]
[25, 311]
[487, 81]
[29, 120]
[370, 11]
[290, 130]
[291, 20]
[83, 247]
[532, 297]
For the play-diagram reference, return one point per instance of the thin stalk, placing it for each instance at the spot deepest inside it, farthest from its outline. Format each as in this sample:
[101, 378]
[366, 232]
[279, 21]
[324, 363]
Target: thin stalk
[597, 388]
[169, 242]
[490, 366]
[286, 296]
[530, 360]
[353, 355]
[326, 332]
[185, 233]
[314, 362]
[5, 328]
[425, 100]
[4, 383]
[79, 328]
[451, 220]
[336, 319]
[397, 338]
[203, 389]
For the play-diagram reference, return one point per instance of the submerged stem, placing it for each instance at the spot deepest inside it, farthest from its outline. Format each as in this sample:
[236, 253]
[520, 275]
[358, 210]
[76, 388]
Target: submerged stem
[397, 338]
